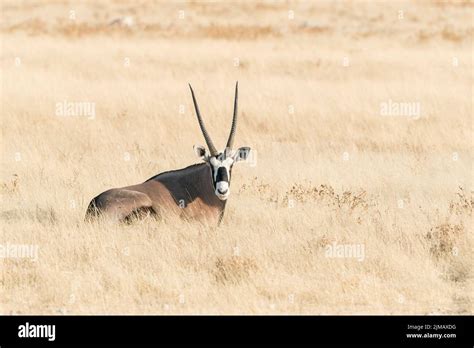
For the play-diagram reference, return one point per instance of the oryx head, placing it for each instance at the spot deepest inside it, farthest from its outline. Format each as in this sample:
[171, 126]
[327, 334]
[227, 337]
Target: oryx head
[221, 162]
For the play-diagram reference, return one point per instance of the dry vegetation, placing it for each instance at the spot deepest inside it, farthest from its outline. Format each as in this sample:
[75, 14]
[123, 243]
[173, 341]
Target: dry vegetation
[330, 168]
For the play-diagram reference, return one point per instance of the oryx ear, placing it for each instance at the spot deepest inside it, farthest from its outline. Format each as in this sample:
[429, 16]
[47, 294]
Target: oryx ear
[200, 151]
[242, 154]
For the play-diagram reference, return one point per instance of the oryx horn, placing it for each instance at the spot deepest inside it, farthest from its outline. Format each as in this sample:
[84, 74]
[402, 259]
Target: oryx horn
[234, 118]
[210, 145]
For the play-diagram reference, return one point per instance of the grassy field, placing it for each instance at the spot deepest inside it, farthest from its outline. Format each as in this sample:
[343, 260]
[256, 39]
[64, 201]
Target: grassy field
[360, 198]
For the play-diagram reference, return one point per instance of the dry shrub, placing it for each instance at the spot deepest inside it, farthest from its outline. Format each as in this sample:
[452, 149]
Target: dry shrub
[10, 187]
[305, 193]
[233, 269]
[443, 239]
[326, 193]
[40, 215]
[451, 34]
[85, 29]
[238, 32]
[463, 204]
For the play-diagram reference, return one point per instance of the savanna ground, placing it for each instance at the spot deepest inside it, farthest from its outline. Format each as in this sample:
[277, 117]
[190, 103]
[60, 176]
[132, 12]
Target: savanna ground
[332, 169]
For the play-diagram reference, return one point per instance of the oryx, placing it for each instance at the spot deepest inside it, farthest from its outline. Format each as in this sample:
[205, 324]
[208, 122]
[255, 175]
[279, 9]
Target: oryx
[199, 191]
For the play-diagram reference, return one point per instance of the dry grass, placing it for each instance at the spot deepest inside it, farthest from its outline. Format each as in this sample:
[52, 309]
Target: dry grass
[330, 168]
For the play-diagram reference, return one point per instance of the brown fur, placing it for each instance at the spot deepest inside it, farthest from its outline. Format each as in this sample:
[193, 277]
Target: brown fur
[187, 193]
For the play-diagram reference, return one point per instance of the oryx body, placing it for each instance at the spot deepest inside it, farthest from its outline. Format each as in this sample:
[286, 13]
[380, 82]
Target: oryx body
[199, 191]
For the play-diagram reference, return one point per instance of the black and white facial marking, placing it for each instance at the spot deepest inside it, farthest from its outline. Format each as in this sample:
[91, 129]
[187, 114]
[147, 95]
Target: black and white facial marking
[221, 167]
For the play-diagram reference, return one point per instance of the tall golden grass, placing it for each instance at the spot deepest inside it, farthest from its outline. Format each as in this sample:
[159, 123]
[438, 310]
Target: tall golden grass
[331, 170]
